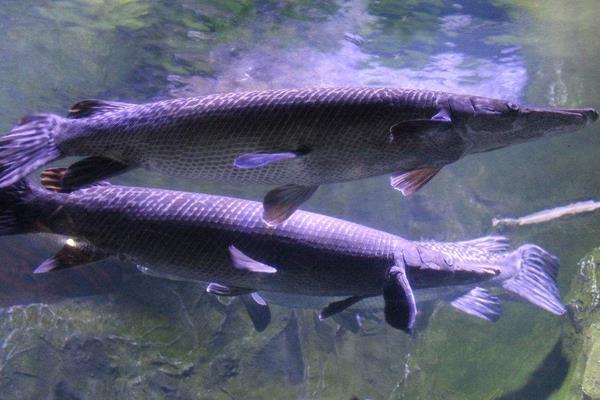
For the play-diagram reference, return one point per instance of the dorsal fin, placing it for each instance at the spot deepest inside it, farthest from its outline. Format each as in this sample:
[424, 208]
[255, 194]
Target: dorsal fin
[494, 244]
[88, 108]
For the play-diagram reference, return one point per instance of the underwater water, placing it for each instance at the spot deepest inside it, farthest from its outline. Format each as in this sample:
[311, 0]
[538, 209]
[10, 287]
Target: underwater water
[109, 331]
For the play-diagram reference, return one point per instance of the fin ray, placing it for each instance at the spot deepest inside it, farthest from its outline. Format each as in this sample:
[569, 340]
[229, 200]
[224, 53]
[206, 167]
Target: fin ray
[82, 173]
[479, 303]
[27, 147]
[410, 182]
[536, 279]
[280, 203]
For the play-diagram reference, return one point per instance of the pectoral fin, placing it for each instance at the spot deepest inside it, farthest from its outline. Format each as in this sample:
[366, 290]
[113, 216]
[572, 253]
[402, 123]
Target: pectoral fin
[73, 254]
[280, 203]
[409, 182]
[227, 291]
[258, 310]
[82, 173]
[408, 130]
[339, 306]
[243, 262]
[255, 160]
[479, 303]
[400, 306]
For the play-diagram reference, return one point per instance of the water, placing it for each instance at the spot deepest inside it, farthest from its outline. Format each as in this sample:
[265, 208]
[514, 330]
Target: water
[106, 331]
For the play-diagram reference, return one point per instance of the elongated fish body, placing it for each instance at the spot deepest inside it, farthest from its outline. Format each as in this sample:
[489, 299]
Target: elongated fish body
[225, 241]
[295, 138]
[345, 134]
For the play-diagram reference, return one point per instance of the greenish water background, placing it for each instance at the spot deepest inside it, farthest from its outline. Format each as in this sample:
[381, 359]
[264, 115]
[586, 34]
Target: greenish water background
[149, 338]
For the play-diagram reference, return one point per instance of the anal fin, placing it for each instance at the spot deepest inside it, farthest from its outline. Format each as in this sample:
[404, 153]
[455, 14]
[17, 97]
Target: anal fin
[82, 173]
[280, 203]
[73, 254]
[479, 303]
[89, 108]
[409, 182]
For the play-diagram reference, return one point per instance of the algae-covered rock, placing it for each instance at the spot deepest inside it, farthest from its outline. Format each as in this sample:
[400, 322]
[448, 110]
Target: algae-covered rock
[590, 384]
[582, 336]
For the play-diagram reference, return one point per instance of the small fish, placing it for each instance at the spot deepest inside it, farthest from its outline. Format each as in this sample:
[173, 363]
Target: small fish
[296, 139]
[224, 241]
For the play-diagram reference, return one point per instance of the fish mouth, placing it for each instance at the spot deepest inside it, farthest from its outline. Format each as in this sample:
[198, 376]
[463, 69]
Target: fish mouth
[577, 115]
[589, 114]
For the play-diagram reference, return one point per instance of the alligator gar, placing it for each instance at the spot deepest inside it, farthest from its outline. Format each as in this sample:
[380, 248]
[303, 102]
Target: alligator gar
[296, 139]
[225, 241]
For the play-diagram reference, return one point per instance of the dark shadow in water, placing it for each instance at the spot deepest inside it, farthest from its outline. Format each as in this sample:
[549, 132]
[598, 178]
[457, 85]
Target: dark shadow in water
[547, 378]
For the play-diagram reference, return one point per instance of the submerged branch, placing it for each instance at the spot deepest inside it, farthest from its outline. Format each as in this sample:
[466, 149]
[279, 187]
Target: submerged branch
[549, 215]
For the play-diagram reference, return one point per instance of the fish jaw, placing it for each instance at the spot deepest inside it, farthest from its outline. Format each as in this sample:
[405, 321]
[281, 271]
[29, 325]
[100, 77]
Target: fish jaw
[489, 124]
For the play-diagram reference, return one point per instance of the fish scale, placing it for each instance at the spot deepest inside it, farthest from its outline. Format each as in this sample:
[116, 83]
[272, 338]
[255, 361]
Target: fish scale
[225, 241]
[202, 136]
[297, 139]
[187, 235]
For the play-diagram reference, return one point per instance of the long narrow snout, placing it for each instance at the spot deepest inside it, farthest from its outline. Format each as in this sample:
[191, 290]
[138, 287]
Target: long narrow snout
[535, 122]
[560, 117]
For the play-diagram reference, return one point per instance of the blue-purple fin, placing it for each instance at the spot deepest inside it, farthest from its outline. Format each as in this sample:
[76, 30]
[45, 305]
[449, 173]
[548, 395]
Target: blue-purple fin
[82, 173]
[27, 147]
[89, 108]
[280, 203]
[400, 307]
[339, 306]
[226, 291]
[409, 182]
[255, 160]
[536, 279]
[479, 303]
[243, 262]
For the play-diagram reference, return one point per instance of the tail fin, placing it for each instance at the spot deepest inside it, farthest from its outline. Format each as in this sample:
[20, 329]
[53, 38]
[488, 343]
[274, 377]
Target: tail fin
[535, 280]
[13, 218]
[27, 147]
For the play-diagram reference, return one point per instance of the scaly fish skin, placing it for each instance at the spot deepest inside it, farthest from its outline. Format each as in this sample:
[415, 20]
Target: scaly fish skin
[341, 134]
[224, 241]
[295, 138]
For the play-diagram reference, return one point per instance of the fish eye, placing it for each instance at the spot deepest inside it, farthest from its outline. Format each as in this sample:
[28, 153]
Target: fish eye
[512, 106]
